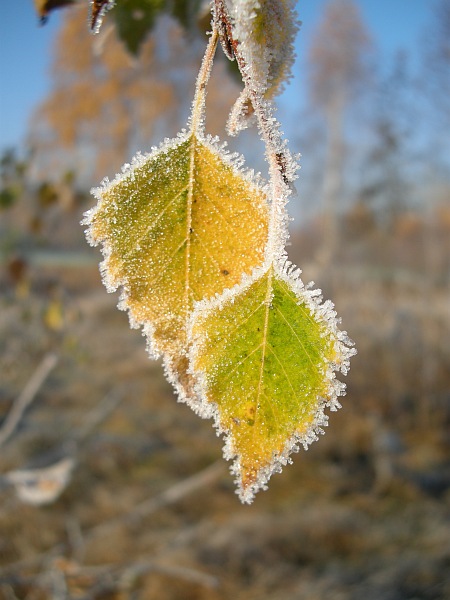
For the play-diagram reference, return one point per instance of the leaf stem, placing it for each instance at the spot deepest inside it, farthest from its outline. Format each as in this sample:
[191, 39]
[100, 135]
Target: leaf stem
[198, 105]
[196, 129]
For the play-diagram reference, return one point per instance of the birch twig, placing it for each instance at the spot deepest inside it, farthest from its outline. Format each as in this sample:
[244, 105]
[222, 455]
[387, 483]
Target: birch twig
[26, 397]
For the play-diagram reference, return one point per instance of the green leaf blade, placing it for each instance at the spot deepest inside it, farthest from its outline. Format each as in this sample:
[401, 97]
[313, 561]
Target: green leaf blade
[264, 358]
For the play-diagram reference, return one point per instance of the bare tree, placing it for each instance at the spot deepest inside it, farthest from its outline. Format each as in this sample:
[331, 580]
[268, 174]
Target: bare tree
[339, 68]
[391, 166]
[437, 60]
[434, 86]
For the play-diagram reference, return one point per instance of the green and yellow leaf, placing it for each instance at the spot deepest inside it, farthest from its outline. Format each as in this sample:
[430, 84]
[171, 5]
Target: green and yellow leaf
[264, 357]
[177, 226]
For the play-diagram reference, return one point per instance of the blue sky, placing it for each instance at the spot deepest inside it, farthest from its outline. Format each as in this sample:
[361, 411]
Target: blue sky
[25, 50]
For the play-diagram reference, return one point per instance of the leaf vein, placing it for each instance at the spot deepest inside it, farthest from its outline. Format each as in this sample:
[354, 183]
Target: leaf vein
[134, 250]
[227, 375]
[298, 339]
[282, 368]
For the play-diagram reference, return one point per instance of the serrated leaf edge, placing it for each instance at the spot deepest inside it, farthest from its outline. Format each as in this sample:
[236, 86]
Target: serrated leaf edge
[325, 313]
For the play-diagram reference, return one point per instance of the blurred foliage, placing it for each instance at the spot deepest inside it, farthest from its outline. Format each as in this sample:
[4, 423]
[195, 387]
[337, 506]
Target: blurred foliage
[104, 105]
[135, 19]
[12, 172]
[8, 196]
[47, 194]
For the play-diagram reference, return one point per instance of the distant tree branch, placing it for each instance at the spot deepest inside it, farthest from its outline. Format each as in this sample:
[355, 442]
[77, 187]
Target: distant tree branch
[26, 397]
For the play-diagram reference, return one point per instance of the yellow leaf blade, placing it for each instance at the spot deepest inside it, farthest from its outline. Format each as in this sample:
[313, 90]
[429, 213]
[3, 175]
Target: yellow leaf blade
[178, 226]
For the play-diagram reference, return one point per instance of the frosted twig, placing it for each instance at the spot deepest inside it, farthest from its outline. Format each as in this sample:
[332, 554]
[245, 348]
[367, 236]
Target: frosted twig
[282, 167]
[198, 105]
[26, 397]
[170, 496]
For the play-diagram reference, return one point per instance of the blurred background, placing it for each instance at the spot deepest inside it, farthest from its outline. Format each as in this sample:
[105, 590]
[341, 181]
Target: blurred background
[110, 489]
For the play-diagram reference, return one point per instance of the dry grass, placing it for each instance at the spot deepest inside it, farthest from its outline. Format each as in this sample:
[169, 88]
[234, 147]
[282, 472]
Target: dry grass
[363, 514]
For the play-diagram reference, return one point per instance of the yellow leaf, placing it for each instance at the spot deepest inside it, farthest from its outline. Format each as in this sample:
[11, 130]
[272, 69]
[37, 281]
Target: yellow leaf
[177, 226]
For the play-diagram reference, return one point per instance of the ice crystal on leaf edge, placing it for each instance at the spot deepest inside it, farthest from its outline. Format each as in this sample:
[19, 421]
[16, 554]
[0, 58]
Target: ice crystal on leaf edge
[323, 312]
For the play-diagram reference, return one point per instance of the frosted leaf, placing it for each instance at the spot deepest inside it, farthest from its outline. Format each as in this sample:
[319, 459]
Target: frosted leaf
[264, 356]
[264, 31]
[178, 225]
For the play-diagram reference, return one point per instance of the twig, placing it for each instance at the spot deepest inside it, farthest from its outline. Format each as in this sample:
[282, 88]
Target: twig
[114, 578]
[75, 539]
[170, 496]
[26, 397]
[131, 573]
[8, 591]
[99, 414]
[43, 485]
[24, 563]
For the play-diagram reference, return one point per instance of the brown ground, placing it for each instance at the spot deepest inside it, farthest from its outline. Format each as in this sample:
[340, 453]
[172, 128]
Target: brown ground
[364, 514]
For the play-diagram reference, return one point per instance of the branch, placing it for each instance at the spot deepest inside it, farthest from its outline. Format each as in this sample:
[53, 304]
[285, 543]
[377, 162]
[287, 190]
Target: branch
[170, 496]
[98, 414]
[282, 167]
[26, 397]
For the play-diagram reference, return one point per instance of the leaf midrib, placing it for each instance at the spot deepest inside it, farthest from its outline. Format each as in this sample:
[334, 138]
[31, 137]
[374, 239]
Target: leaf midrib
[190, 194]
[267, 301]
